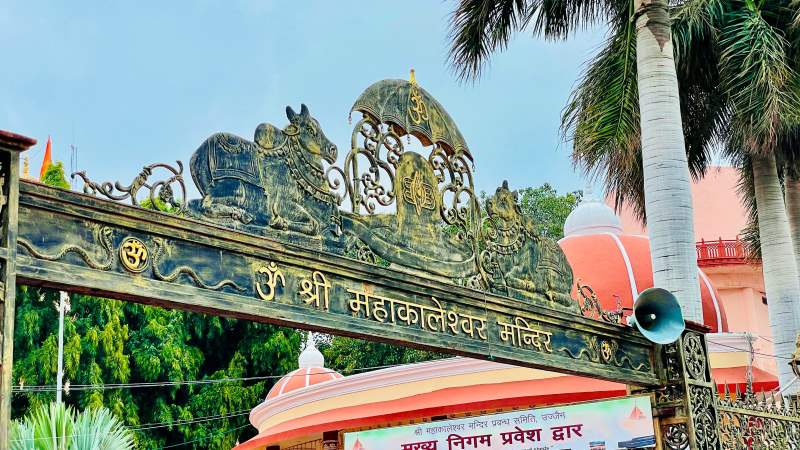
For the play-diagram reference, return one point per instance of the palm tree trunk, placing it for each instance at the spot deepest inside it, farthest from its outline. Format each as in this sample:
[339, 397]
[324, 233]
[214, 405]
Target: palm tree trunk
[792, 185]
[667, 188]
[780, 266]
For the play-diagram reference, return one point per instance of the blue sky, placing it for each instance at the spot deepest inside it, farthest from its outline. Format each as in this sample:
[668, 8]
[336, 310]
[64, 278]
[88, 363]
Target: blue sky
[132, 83]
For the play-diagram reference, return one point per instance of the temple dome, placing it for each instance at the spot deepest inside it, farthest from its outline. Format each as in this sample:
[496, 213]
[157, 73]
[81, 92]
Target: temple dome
[618, 265]
[592, 216]
[312, 371]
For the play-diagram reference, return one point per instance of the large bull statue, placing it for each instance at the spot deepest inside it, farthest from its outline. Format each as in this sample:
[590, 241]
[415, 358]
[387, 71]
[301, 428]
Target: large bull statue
[276, 181]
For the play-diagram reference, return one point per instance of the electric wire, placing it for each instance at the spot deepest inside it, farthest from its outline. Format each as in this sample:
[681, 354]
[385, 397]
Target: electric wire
[202, 438]
[150, 426]
[189, 421]
[88, 387]
[754, 352]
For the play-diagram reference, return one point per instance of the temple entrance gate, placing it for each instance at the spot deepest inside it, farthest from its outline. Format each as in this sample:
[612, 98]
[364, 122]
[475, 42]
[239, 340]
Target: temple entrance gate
[284, 235]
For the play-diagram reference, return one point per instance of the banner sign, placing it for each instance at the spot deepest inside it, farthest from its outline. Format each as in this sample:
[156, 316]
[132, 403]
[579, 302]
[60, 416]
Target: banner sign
[624, 423]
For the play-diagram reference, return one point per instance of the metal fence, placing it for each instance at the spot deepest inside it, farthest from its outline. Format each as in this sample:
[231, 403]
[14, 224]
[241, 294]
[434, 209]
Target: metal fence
[757, 422]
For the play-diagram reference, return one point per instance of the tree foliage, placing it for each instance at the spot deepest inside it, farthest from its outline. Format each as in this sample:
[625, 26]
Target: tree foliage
[54, 176]
[548, 209]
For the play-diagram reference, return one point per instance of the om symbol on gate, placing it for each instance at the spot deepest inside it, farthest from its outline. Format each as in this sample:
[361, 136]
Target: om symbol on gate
[133, 254]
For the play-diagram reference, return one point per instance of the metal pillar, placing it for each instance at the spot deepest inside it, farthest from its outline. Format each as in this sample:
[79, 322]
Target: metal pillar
[11, 145]
[686, 402]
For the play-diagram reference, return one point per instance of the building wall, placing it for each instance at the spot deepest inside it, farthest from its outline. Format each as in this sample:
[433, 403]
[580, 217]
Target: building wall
[741, 289]
[718, 211]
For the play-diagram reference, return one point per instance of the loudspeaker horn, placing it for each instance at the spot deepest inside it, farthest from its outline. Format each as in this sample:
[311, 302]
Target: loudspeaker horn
[657, 315]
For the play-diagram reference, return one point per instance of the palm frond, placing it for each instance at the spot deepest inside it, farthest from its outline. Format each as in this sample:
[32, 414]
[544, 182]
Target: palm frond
[601, 118]
[756, 74]
[99, 429]
[478, 28]
[750, 235]
[558, 19]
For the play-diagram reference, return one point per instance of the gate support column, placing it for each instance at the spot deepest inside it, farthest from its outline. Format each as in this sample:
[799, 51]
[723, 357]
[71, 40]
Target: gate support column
[11, 145]
[686, 402]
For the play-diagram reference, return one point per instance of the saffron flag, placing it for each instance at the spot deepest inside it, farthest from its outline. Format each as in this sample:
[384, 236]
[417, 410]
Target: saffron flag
[47, 161]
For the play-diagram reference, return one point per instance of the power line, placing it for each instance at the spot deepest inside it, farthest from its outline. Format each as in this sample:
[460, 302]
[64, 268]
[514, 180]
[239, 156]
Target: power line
[755, 353]
[89, 387]
[202, 438]
[151, 426]
[189, 421]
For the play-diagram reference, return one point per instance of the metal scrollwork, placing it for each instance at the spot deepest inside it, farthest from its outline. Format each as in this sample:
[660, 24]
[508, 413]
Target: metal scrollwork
[694, 356]
[459, 203]
[163, 246]
[371, 186]
[591, 308]
[159, 191]
[676, 436]
[101, 235]
[705, 420]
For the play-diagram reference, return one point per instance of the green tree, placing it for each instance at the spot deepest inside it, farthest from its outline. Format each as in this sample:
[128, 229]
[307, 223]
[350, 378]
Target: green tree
[54, 176]
[548, 209]
[348, 355]
[481, 27]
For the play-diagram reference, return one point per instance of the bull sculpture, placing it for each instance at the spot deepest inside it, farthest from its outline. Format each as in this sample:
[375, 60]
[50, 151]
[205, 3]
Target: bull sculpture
[275, 181]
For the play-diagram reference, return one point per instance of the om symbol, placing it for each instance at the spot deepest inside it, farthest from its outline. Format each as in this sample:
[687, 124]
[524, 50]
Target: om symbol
[273, 275]
[607, 351]
[133, 254]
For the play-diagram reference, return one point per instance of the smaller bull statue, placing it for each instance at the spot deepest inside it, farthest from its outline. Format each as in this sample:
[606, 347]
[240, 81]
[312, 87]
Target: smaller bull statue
[275, 181]
[522, 263]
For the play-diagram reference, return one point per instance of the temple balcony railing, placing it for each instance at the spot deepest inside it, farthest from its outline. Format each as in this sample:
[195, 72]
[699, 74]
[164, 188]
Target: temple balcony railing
[721, 252]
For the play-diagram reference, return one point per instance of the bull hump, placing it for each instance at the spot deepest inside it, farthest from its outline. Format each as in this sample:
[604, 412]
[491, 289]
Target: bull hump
[265, 135]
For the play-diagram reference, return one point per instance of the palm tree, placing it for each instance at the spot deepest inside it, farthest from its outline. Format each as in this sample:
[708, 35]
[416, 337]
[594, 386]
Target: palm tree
[480, 27]
[56, 427]
[791, 184]
[793, 210]
[739, 91]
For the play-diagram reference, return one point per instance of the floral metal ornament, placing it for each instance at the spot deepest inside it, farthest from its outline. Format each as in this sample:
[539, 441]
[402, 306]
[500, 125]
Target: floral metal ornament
[676, 436]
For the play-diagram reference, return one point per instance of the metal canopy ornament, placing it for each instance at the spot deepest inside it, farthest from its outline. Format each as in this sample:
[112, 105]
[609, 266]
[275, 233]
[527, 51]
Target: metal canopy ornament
[410, 109]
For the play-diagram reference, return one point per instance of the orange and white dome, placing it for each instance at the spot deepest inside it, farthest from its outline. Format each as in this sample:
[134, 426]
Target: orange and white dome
[312, 371]
[618, 265]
